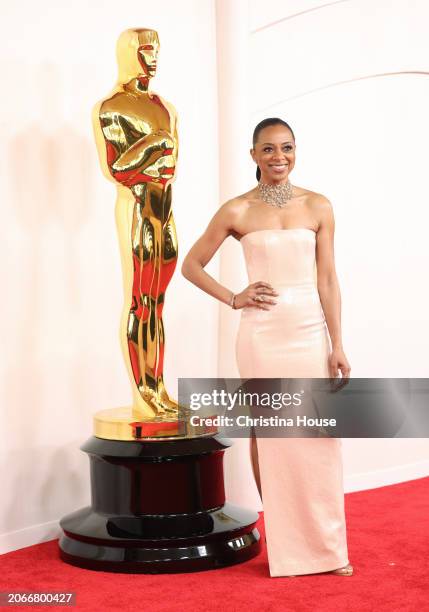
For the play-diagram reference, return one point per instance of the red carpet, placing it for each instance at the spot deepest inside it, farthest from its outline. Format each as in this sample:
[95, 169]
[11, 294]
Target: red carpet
[388, 539]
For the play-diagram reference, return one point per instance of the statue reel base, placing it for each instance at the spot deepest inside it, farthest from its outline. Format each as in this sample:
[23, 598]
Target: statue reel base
[158, 507]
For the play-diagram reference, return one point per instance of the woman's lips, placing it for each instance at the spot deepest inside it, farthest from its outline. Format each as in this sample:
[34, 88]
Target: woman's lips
[279, 167]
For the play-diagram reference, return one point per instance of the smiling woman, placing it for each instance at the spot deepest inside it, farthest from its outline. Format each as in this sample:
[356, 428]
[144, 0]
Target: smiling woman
[289, 328]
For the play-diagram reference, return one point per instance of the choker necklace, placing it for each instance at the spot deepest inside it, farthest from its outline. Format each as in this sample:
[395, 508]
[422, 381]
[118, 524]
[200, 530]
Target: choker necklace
[276, 195]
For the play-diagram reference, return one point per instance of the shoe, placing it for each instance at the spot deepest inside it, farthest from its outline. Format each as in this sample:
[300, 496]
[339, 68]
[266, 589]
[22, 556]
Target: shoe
[347, 570]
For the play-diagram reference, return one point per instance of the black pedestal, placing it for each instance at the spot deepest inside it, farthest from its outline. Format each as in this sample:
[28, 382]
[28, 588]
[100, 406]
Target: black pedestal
[158, 507]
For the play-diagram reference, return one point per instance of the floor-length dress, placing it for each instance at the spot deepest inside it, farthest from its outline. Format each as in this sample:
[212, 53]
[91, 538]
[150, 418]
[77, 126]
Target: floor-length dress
[301, 478]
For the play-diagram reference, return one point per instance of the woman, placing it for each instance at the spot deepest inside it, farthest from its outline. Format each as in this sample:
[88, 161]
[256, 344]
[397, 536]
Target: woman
[286, 321]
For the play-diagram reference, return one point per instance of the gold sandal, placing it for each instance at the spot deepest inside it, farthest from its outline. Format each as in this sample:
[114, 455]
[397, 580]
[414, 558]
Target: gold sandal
[347, 570]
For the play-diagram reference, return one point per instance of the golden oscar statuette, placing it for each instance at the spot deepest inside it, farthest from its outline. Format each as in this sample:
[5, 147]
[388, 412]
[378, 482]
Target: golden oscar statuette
[136, 136]
[157, 486]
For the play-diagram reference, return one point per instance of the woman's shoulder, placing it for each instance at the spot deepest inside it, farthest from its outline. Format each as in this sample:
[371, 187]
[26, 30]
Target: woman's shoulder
[313, 199]
[240, 203]
[244, 199]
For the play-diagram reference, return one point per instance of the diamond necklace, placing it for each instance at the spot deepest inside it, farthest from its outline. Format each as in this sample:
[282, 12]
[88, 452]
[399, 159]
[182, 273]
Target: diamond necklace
[276, 195]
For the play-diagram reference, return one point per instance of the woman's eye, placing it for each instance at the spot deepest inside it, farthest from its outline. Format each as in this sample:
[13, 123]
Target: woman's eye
[285, 148]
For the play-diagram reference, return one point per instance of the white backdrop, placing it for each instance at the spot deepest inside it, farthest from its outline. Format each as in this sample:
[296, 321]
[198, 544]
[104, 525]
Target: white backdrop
[352, 79]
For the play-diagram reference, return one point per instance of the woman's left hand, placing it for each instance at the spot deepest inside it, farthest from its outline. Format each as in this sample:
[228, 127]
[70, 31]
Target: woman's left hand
[338, 362]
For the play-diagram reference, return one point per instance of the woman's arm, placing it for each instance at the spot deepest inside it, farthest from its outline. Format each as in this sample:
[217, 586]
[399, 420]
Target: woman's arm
[201, 253]
[328, 287]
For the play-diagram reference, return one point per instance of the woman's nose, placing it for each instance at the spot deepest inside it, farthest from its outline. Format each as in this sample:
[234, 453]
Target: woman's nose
[278, 154]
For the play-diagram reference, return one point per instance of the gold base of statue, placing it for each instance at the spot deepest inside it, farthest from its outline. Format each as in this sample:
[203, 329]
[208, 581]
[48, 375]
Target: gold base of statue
[124, 424]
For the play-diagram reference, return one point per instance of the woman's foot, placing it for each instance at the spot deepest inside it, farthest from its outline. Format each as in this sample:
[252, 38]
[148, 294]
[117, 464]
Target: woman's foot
[347, 570]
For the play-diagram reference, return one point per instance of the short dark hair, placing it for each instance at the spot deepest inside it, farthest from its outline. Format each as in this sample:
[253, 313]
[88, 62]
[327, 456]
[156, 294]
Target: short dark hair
[268, 123]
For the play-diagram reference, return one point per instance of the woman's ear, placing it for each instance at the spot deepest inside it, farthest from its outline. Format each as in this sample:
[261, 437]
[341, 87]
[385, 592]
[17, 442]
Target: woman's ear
[252, 153]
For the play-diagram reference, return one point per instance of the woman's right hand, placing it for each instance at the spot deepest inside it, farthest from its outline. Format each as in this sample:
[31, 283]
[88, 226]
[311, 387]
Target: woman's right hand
[257, 294]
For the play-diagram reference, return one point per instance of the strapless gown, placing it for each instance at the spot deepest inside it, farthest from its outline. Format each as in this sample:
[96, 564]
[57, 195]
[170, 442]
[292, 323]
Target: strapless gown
[301, 478]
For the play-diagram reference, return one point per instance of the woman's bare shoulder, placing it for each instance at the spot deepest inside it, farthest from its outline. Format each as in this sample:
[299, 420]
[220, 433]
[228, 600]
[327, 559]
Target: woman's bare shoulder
[237, 205]
[314, 200]
[320, 209]
[318, 199]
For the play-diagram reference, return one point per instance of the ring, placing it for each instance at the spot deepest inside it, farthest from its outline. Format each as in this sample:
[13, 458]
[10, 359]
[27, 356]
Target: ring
[259, 298]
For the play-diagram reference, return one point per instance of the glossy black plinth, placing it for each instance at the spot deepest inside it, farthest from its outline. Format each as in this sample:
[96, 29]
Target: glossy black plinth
[158, 507]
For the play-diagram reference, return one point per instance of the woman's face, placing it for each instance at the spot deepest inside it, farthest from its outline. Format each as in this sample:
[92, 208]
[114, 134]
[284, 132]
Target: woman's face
[274, 152]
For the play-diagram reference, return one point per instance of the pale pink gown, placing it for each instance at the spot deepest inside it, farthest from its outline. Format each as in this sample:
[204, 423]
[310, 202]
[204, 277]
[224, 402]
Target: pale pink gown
[301, 478]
